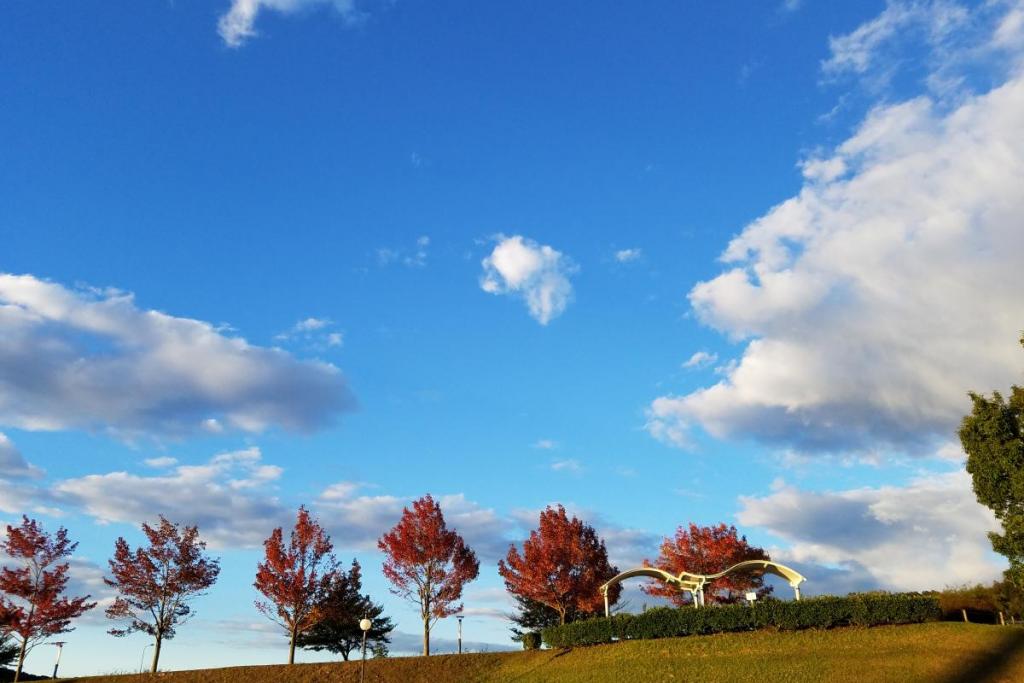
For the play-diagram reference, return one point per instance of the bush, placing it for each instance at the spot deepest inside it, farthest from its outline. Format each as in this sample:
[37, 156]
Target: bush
[531, 640]
[872, 609]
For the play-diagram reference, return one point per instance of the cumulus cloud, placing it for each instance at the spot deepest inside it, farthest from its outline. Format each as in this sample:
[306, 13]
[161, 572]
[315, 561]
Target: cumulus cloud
[537, 273]
[225, 497]
[925, 535]
[238, 24]
[873, 300]
[13, 463]
[76, 359]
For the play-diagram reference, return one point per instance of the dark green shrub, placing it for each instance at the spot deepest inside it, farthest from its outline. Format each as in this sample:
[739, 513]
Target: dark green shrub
[531, 640]
[872, 609]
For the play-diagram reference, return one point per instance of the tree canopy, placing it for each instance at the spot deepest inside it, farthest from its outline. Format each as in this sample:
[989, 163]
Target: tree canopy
[343, 607]
[992, 435]
[562, 566]
[708, 550]
[156, 583]
[427, 563]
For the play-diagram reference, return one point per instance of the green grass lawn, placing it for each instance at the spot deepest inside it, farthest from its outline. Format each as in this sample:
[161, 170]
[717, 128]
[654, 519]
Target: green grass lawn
[946, 652]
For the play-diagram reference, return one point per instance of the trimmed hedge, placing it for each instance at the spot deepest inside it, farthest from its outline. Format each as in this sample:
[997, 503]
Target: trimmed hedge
[870, 609]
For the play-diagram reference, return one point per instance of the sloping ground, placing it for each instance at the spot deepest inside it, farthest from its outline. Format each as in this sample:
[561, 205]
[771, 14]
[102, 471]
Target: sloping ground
[943, 652]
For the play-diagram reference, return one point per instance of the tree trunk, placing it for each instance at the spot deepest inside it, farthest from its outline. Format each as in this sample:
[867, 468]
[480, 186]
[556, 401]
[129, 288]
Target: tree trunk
[156, 653]
[426, 637]
[291, 648]
[21, 659]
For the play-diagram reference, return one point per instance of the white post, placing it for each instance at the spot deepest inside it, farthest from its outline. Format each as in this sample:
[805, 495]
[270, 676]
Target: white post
[604, 590]
[796, 592]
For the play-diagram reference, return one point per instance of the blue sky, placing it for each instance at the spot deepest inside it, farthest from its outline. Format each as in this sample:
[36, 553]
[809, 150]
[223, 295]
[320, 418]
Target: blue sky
[675, 263]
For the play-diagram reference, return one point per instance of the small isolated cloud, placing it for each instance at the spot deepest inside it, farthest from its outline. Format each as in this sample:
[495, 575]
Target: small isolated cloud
[571, 465]
[238, 24]
[13, 464]
[537, 273]
[546, 444]
[416, 257]
[87, 359]
[701, 359]
[628, 255]
[928, 534]
[314, 332]
[225, 497]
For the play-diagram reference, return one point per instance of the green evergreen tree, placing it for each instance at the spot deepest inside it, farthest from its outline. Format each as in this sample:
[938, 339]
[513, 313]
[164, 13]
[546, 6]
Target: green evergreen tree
[993, 438]
[8, 649]
[344, 607]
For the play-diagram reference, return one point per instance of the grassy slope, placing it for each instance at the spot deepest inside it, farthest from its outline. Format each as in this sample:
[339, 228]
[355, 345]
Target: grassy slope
[950, 653]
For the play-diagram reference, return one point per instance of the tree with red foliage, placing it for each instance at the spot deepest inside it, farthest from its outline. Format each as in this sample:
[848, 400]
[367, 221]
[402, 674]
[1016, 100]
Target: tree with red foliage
[563, 565]
[427, 563]
[32, 605]
[155, 584]
[708, 550]
[296, 578]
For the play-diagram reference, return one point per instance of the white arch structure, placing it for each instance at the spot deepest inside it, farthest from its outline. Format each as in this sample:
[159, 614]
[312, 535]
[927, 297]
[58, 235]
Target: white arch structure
[694, 583]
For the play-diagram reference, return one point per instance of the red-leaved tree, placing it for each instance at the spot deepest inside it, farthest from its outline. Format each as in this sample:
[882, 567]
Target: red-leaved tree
[296, 577]
[427, 563]
[155, 584]
[563, 565]
[33, 606]
[708, 550]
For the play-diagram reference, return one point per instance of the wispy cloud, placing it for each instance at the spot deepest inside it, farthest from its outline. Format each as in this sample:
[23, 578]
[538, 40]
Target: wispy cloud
[238, 24]
[701, 359]
[628, 255]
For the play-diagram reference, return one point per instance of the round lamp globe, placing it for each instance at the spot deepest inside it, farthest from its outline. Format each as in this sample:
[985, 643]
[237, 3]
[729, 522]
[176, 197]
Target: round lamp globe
[365, 624]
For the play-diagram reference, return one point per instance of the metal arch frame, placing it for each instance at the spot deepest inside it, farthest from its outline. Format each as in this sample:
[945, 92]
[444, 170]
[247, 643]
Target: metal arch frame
[693, 584]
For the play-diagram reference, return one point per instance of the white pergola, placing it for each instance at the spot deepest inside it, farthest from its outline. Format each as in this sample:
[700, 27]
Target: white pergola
[694, 583]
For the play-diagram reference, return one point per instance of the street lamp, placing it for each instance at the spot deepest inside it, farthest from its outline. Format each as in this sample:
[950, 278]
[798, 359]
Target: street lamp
[460, 618]
[365, 624]
[142, 658]
[60, 648]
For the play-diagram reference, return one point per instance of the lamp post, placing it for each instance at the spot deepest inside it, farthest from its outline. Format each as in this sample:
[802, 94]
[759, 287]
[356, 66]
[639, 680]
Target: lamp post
[365, 624]
[60, 648]
[460, 617]
[142, 658]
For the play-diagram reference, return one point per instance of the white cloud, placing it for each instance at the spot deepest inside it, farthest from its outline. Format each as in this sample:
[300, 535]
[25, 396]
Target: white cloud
[861, 49]
[237, 25]
[416, 257]
[537, 273]
[13, 463]
[701, 359]
[546, 444]
[928, 534]
[628, 255]
[74, 359]
[224, 497]
[357, 520]
[314, 332]
[161, 462]
[873, 301]
[571, 465]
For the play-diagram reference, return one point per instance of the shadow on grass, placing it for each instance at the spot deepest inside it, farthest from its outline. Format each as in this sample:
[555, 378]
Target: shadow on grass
[987, 667]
